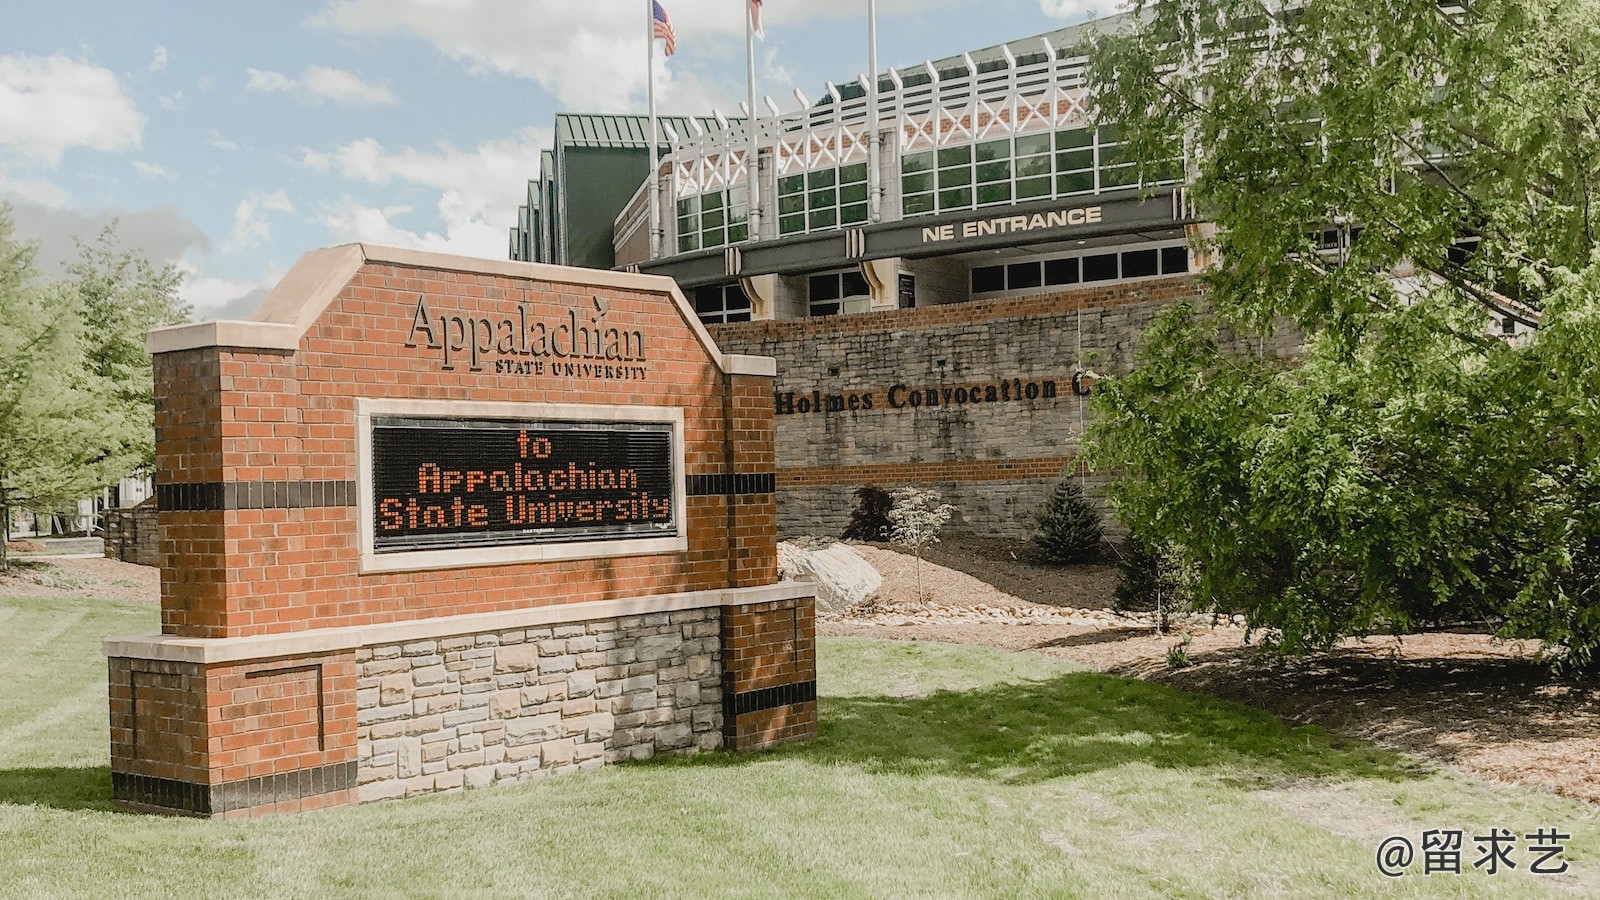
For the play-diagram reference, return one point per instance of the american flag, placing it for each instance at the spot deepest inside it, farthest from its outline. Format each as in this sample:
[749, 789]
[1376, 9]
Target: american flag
[755, 18]
[663, 27]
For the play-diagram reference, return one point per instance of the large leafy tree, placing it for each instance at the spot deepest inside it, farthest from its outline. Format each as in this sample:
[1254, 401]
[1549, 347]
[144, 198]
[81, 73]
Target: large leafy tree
[1407, 467]
[75, 411]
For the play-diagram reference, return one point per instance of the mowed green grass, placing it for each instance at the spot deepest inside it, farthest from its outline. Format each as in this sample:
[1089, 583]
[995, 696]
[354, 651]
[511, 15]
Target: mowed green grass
[941, 771]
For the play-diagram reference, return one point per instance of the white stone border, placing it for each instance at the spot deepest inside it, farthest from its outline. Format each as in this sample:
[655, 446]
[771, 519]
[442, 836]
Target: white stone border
[332, 640]
[372, 562]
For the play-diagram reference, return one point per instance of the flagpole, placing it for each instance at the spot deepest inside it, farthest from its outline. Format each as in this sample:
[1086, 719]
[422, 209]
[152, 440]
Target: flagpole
[655, 168]
[752, 169]
[874, 176]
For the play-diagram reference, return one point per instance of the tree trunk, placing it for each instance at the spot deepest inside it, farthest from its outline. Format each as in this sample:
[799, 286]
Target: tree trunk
[5, 533]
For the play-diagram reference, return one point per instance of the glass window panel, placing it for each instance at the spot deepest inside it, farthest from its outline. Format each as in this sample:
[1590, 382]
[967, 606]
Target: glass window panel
[791, 184]
[711, 201]
[737, 233]
[851, 174]
[708, 299]
[792, 203]
[823, 198]
[738, 214]
[739, 196]
[1027, 145]
[1112, 156]
[1022, 275]
[854, 284]
[960, 198]
[1110, 134]
[1076, 183]
[687, 207]
[917, 205]
[823, 287]
[955, 156]
[992, 150]
[1074, 160]
[858, 305]
[1118, 177]
[1061, 271]
[954, 177]
[824, 218]
[1029, 188]
[740, 315]
[994, 193]
[1140, 264]
[1033, 165]
[715, 237]
[991, 172]
[916, 184]
[820, 178]
[791, 224]
[712, 219]
[1077, 137]
[988, 279]
[1101, 267]
[850, 215]
[917, 162]
[852, 193]
[824, 309]
[688, 241]
[1174, 260]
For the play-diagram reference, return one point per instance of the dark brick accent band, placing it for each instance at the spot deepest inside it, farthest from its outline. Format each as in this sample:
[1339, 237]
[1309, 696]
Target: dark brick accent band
[217, 495]
[768, 698]
[207, 800]
[735, 484]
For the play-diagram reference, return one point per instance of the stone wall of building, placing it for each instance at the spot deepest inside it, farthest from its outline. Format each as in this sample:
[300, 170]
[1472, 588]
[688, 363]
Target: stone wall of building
[852, 397]
[510, 705]
[133, 535]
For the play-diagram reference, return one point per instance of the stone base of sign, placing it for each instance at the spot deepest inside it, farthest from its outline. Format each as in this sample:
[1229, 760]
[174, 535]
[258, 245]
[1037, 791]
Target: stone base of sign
[240, 727]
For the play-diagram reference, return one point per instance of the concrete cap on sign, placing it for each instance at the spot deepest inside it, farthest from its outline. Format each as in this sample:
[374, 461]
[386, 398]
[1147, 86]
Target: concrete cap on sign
[301, 297]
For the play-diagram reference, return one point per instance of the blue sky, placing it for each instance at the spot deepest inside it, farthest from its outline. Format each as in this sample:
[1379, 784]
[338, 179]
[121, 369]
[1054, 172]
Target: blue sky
[228, 138]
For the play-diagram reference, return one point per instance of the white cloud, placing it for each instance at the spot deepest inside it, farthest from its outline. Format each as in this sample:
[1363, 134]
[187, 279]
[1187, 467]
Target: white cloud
[158, 232]
[250, 226]
[153, 171]
[158, 63]
[35, 191]
[475, 191]
[51, 104]
[319, 83]
[222, 298]
[170, 102]
[219, 142]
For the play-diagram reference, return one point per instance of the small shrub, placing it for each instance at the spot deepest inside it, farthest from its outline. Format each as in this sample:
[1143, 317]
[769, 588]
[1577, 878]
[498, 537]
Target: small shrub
[869, 521]
[1178, 654]
[1151, 579]
[1069, 526]
[916, 518]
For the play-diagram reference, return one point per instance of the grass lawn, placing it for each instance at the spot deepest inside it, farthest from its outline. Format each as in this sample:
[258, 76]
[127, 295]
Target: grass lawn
[941, 771]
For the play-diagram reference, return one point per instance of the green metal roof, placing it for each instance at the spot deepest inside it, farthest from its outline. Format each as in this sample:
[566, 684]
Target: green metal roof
[599, 130]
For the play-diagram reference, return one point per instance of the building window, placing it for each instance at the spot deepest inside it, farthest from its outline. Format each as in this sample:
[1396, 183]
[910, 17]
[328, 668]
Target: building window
[823, 199]
[721, 303]
[1116, 265]
[831, 293]
[1020, 168]
[715, 219]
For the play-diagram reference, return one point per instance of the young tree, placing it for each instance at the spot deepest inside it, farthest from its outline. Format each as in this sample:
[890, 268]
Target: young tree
[1408, 468]
[120, 296]
[1069, 526]
[915, 520]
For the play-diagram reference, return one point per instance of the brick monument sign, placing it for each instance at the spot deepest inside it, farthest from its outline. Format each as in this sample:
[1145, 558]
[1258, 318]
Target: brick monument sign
[430, 522]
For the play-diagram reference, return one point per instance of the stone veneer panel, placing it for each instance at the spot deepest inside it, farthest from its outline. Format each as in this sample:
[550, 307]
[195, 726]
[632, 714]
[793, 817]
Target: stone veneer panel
[472, 710]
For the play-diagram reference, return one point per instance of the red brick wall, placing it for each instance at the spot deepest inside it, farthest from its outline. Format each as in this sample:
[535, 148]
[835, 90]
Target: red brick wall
[240, 416]
[769, 655]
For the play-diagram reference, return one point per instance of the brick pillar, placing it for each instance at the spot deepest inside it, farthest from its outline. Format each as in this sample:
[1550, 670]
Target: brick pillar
[769, 673]
[752, 461]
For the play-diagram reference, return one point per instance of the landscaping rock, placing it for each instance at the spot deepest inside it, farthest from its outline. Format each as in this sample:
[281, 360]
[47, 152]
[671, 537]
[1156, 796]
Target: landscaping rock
[843, 578]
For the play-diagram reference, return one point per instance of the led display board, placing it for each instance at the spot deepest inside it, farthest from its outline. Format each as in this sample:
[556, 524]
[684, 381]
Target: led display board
[441, 484]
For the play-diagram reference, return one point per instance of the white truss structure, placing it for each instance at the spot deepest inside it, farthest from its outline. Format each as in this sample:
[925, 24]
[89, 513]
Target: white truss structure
[1014, 98]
